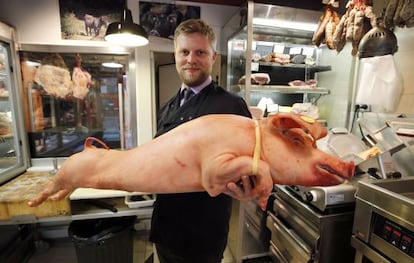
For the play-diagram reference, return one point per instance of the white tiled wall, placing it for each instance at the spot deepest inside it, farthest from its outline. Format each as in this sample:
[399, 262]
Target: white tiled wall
[405, 62]
[335, 107]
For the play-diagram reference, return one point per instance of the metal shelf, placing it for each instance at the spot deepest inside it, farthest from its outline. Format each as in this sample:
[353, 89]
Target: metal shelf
[287, 89]
[311, 68]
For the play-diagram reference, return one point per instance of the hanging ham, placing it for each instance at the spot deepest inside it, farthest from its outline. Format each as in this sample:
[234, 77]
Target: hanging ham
[81, 80]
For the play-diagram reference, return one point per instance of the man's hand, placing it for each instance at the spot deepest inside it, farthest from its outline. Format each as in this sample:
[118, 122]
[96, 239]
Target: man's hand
[243, 189]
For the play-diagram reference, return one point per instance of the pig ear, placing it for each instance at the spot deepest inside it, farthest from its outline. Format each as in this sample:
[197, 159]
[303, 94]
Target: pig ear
[286, 121]
[299, 137]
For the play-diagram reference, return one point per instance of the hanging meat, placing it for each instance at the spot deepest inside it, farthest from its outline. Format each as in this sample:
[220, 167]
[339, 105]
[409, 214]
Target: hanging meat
[81, 80]
[399, 13]
[330, 30]
[326, 27]
[358, 19]
[339, 37]
[54, 76]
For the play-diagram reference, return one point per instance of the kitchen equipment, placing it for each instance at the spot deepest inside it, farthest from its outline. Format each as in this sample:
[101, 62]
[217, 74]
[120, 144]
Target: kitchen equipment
[326, 197]
[383, 229]
[379, 41]
[302, 233]
[349, 147]
[345, 146]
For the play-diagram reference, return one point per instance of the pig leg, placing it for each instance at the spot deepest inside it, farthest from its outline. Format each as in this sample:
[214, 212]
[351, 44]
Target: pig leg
[217, 174]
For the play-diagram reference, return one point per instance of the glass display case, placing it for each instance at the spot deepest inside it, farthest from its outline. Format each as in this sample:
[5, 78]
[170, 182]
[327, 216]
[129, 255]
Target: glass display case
[13, 145]
[71, 93]
[270, 54]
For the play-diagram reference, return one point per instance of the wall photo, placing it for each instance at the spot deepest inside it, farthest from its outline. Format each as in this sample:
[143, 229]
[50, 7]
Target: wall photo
[87, 19]
[160, 19]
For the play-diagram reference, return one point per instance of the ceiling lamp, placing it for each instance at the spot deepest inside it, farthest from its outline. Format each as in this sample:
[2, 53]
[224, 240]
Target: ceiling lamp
[112, 65]
[126, 32]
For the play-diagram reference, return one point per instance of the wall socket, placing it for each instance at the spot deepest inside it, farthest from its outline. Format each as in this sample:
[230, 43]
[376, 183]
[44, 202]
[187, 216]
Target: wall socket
[363, 107]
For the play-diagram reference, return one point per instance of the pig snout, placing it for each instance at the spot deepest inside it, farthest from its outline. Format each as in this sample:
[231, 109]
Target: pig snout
[307, 166]
[334, 172]
[293, 155]
[323, 170]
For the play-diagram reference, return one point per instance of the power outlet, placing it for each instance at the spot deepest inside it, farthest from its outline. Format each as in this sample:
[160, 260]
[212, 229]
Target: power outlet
[363, 107]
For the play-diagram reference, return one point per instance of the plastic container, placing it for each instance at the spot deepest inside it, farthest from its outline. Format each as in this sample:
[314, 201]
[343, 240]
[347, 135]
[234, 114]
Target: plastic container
[139, 200]
[105, 240]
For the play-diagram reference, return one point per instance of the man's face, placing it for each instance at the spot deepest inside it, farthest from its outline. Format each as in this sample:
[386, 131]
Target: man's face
[194, 58]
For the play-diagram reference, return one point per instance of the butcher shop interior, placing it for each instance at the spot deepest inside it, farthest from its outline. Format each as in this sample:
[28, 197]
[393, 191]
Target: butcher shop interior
[342, 66]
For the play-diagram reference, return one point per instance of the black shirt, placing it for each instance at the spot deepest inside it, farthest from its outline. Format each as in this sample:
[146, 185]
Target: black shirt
[194, 224]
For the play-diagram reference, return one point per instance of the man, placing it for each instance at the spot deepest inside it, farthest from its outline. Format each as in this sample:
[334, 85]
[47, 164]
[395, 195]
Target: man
[193, 227]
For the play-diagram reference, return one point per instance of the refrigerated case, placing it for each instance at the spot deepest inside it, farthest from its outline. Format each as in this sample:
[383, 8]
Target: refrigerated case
[69, 95]
[275, 40]
[13, 143]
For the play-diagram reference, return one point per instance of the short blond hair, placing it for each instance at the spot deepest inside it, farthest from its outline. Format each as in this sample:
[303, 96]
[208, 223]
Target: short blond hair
[196, 26]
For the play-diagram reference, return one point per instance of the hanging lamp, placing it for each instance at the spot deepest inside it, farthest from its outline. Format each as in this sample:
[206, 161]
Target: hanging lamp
[126, 32]
[379, 41]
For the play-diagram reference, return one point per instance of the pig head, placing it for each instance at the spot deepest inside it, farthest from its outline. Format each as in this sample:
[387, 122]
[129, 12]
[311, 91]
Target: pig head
[288, 155]
[289, 147]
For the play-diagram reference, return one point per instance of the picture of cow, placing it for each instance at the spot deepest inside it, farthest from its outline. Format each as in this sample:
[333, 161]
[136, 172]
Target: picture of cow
[88, 20]
[93, 24]
[160, 20]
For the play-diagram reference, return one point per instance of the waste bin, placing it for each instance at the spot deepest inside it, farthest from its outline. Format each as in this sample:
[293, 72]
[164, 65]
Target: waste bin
[104, 240]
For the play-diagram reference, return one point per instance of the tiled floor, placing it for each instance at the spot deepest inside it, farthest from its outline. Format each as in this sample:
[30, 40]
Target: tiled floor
[63, 251]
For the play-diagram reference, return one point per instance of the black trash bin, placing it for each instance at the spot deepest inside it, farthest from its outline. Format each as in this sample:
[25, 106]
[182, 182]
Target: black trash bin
[105, 240]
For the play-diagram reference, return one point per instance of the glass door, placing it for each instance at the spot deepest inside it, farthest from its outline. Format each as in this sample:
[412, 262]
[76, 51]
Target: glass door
[13, 154]
[72, 94]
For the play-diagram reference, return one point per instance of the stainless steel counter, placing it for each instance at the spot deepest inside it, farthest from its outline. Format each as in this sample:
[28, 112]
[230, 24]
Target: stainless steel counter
[383, 229]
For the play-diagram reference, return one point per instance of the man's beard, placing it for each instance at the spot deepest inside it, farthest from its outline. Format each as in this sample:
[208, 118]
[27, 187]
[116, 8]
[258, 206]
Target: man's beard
[193, 79]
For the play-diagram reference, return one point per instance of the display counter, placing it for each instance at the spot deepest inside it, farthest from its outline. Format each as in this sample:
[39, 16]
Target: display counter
[83, 203]
[84, 209]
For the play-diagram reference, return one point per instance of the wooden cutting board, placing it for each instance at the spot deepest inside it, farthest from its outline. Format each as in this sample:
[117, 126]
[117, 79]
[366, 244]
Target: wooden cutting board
[15, 194]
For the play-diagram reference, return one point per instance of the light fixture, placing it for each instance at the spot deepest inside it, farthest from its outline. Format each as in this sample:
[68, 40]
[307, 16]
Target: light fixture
[32, 63]
[379, 41]
[305, 26]
[112, 65]
[126, 32]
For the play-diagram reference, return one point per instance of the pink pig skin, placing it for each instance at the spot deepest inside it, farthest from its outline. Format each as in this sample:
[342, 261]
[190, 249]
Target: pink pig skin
[206, 154]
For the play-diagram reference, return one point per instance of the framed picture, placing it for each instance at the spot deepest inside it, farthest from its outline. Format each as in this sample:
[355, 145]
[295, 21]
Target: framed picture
[88, 19]
[160, 19]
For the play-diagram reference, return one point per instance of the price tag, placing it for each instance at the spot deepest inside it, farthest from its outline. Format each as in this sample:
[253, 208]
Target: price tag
[255, 66]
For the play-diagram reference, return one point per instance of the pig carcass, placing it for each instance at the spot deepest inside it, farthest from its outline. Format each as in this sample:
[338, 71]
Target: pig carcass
[207, 154]
[81, 81]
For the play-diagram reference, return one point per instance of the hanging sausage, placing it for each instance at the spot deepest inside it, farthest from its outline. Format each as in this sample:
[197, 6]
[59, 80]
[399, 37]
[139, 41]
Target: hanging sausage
[399, 13]
[335, 31]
